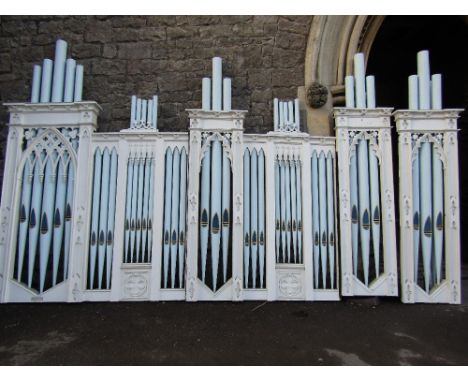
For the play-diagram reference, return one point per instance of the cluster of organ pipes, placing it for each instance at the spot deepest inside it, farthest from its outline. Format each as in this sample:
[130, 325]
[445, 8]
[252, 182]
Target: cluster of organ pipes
[174, 226]
[254, 219]
[286, 115]
[288, 211]
[359, 89]
[144, 113]
[215, 213]
[60, 80]
[323, 219]
[216, 92]
[44, 229]
[138, 223]
[101, 242]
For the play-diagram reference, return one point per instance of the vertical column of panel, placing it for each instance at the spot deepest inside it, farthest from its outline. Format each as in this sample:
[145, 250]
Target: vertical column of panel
[426, 210]
[246, 217]
[283, 209]
[416, 214]
[287, 181]
[438, 211]
[150, 208]
[145, 212]
[104, 205]
[299, 209]
[167, 216]
[25, 207]
[375, 207]
[205, 209]
[111, 215]
[292, 167]
[226, 207]
[353, 184]
[128, 209]
[331, 218]
[95, 215]
[182, 209]
[133, 208]
[139, 207]
[216, 183]
[68, 209]
[261, 215]
[174, 231]
[315, 217]
[323, 217]
[254, 213]
[277, 210]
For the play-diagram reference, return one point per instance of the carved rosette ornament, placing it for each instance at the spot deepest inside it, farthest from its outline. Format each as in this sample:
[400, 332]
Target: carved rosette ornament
[317, 95]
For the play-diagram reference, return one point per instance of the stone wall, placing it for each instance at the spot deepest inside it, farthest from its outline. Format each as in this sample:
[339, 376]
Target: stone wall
[165, 55]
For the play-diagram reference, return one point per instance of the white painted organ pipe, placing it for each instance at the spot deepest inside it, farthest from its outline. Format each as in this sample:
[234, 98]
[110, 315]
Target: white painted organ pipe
[275, 114]
[46, 81]
[111, 216]
[261, 215]
[375, 207]
[24, 215]
[323, 217]
[227, 85]
[150, 209]
[133, 215]
[155, 112]
[370, 92]
[226, 207]
[167, 215]
[349, 91]
[424, 80]
[359, 78]
[283, 208]
[287, 181]
[217, 83]
[78, 83]
[144, 106]
[144, 219]
[292, 171]
[68, 209]
[426, 210]
[59, 71]
[70, 69]
[277, 209]
[436, 85]
[59, 212]
[182, 207]
[254, 213]
[331, 219]
[413, 92]
[291, 115]
[353, 180]
[103, 209]
[281, 115]
[133, 112]
[299, 208]
[35, 217]
[139, 213]
[36, 84]
[47, 213]
[315, 217]
[416, 215]
[138, 112]
[438, 211]
[205, 209]
[206, 94]
[128, 209]
[297, 115]
[285, 115]
[363, 191]
[247, 210]
[216, 183]
[174, 232]
[149, 118]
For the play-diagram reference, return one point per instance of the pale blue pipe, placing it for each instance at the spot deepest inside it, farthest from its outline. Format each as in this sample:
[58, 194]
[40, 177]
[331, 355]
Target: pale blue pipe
[297, 114]
[174, 239]
[139, 216]
[155, 112]
[133, 214]
[70, 69]
[111, 215]
[227, 94]
[128, 209]
[95, 214]
[103, 209]
[349, 91]
[299, 208]
[68, 213]
[144, 112]
[277, 210]
[217, 83]
[363, 187]
[24, 215]
[424, 88]
[59, 71]
[436, 91]
[150, 208]
[354, 209]
[438, 211]
[46, 81]
[254, 213]
[216, 184]
[315, 217]
[292, 171]
[149, 119]
[275, 114]
[206, 94]
[59, 213]
[413, 92]
[35, 217]
[205, 209]
[133, 112]
[287, 181]
[47, 214]
[138, 113]
[323, 217]
[261, 214]
[78, 88]
[36, 84]
[145, 212]
[167, 214]
[283, 208]
[416, 215]
[331, 219]
[360, 82]
[426, 210]
[182, 213]
[226, 207]
[375, 208]
[370, 92]
[247, 239]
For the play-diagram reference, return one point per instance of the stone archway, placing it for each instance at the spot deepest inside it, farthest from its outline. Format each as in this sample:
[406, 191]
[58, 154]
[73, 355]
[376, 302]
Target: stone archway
[332, 43]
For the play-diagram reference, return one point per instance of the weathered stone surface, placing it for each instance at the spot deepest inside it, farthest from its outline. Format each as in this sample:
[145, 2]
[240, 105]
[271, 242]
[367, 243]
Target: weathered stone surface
[168, 55]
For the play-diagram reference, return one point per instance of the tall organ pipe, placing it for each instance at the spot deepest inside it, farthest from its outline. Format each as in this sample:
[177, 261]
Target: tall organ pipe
[128, 208]
[359, 78]
[36, 84]
[103, 209]
[331, 219]
[349, 91]
[182, 207]
[353, 180]
[226, 207]
[416, 215]
[133, 214]
[216, 183]
[424, 80]
[206, 94]
[139, 214]
[145, 212]
[288, 209]
[363, 187]
[315, 217]
[174, 232]
[167, 214]
[25, 208]
[254, 213]
[275, 114]
[68, 209]
[95, 214]
[277, 209]
[205, 209]
[426, 210]
[438, 212]
[217, 83]
[299, 208]
[292, 170]
[150, 203]
[111, 215]
[46, 81]
[247, 239]
[261, 214]
[70, 68]
[59, 71]
[323, 217]
[375, 207]
[78, 83]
